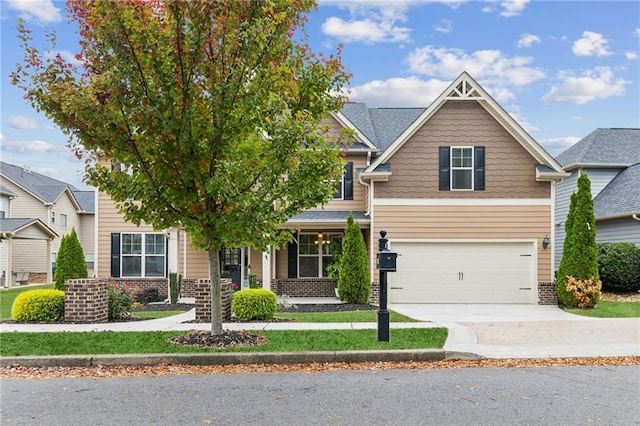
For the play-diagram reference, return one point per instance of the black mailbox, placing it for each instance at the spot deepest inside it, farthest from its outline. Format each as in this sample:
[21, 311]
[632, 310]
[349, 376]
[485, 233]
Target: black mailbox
[387, 261]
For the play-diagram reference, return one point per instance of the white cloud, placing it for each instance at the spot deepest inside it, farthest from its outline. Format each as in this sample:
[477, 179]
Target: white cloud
[490, 65]
[22, 123]
[34, 147]
[444, 26]
[632, 56]
[406, 92]
[513, 7]
[555, 146]
[366, 30]
[636, 32]
[42, 10]
[598, 83]
[527, 40]
[591, 44]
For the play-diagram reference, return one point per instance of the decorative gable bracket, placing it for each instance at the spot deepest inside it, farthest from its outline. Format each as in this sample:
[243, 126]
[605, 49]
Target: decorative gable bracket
[464, 90]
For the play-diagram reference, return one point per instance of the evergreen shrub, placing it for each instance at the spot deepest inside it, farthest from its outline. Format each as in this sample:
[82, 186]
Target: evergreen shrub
[70, 261]
[38, 305]
[254, 304]
[619, 266]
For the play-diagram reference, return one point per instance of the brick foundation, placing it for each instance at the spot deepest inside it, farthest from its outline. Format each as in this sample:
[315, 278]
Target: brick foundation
[304, 287]
[374, 296]
[202, 290]
[547, 293]
[86, 300]
[162, 284]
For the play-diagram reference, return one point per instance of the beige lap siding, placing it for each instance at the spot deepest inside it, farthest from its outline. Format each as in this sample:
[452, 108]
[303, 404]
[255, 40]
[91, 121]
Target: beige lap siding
[498, 222]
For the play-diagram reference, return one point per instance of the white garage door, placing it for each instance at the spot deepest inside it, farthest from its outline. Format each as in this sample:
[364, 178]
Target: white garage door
[463, 272]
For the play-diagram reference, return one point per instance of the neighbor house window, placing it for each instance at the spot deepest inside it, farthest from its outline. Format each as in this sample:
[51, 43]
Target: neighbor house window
[88, 260]
[53, 261]
[314, 255]
[63, 220]
[1, 214]
[53, 217]
[143, 255]
[462, 168]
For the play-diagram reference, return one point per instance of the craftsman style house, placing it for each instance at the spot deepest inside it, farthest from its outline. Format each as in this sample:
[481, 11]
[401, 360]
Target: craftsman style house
[35, 212]
[465, 194]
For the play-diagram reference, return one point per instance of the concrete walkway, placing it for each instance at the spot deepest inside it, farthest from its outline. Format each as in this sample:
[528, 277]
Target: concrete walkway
[491, 331]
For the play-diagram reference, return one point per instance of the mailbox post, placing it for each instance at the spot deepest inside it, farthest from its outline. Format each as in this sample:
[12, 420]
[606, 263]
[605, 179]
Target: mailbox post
[386, 263]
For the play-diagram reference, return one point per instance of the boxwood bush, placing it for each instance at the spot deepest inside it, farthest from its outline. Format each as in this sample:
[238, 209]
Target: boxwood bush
[38, 305]
[619, 266]
[254, 303]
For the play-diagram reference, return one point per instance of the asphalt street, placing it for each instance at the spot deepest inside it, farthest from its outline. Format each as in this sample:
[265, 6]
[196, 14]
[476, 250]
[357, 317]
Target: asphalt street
[532, 396]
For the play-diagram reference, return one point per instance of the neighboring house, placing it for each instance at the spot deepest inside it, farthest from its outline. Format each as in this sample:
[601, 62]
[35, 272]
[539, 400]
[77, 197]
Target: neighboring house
[611, 159]
[35, 212]
[465, 194]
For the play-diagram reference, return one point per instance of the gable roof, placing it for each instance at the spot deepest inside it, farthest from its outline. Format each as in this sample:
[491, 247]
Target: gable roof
[9, 228]
[40, 186]
[613, 147]
[621, 197]
[45, 188]
[465, 88]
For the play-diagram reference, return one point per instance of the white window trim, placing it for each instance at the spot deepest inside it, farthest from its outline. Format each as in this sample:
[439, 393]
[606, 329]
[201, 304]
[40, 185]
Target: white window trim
[341, 197]
[318, 255]
[64, 223]
[142, 255]
[452, 168]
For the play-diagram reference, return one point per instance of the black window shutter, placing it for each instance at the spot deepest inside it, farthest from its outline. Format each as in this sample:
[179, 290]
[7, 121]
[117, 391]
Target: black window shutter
[115, 255]
[478, 168]
[292, 248]
[348, 181]
[445, 175]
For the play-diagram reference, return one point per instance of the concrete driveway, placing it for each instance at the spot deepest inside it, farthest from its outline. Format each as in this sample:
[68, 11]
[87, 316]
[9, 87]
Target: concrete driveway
[528, 331]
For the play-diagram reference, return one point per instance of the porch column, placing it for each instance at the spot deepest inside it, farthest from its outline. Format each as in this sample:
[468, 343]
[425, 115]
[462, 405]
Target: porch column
[8, 276]
[266, 269]
[49, 272]
[172, 250]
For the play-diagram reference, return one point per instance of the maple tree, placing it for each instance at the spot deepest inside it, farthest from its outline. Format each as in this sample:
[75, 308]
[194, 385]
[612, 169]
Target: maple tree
[212, 109]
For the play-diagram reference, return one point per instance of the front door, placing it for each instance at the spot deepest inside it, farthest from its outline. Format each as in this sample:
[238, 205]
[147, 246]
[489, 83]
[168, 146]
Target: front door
[230, 265]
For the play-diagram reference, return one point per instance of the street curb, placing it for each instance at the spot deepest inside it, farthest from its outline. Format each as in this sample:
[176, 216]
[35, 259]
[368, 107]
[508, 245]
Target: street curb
[231, 358]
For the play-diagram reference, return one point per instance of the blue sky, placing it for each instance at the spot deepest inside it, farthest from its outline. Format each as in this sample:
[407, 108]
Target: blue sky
[560, 68]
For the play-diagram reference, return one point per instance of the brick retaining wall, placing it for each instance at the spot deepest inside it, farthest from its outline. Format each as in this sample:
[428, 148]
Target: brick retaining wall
[304, 287]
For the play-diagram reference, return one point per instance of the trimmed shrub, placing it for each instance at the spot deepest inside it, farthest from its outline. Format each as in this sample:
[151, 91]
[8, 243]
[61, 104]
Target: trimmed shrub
[38, 305]
[175, 285]
[254, 303]
[148, 295]
[354, 282]
[619, 266]
[70, 261]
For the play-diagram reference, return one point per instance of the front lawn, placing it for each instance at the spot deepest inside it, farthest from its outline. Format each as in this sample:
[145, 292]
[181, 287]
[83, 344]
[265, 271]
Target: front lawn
[346, 316]
[610, 309]
[95, 343]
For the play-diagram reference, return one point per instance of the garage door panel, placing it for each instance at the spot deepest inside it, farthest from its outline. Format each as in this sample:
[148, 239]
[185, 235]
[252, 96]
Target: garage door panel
[463, 273]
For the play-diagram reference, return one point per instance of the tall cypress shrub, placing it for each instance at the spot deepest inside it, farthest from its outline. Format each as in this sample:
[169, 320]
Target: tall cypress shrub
[565, 297]
[70, 261]
[353, 278]
[579, 260]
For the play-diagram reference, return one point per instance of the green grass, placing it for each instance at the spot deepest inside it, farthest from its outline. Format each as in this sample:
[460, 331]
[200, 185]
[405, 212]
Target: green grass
[610, 309]
[94, 343]
[347, 316]
[8, 296]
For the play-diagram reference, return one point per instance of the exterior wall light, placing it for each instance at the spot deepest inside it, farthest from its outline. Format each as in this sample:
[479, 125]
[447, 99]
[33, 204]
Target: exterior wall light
[545, 242]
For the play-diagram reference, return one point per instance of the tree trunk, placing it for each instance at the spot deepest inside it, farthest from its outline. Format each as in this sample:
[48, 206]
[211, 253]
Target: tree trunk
[216, 293]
